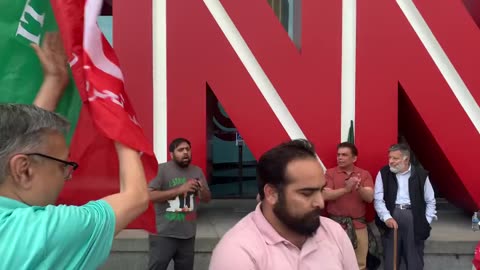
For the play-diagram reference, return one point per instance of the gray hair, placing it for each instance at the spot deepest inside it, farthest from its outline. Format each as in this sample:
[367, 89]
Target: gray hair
[403, 148]
[22, 128]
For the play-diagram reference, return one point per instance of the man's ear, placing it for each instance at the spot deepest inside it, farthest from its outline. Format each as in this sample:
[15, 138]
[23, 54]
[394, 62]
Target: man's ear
[21, 171]
[271, 194]
[171, 155]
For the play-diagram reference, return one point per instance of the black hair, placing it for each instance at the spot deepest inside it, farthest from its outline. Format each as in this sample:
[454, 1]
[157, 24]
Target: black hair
[350, 146]
[272, 164]
[176, 142]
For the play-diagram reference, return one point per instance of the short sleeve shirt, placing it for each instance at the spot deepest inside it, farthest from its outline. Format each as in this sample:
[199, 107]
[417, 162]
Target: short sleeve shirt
[176, 218]
[351, 204]
[253, 244]
[55, 237]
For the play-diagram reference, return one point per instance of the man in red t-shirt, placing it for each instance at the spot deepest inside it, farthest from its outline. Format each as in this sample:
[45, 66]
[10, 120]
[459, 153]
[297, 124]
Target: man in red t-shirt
[348, 190]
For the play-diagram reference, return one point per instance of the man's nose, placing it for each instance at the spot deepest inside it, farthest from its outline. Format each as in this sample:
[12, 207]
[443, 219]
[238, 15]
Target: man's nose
[318, 201]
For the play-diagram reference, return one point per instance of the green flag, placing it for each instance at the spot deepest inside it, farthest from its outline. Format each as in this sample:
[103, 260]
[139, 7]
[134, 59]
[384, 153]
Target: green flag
[22, 23]
[351, 138]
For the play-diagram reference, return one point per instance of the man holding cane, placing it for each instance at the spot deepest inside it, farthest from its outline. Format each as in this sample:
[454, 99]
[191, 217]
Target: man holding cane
[404, 201]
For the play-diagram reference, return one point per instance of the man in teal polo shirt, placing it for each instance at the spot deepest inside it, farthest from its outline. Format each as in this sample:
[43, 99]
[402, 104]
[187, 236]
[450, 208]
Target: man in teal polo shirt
[35, 234]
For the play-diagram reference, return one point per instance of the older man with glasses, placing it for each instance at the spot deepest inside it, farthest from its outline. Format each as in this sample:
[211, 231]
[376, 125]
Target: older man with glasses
[35, 234]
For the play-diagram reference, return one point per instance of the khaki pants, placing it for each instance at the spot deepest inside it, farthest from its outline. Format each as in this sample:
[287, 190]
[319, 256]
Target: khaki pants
[362, 247]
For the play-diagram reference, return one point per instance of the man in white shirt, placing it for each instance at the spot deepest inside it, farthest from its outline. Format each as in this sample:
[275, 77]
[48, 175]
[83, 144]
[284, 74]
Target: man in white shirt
[404, 200]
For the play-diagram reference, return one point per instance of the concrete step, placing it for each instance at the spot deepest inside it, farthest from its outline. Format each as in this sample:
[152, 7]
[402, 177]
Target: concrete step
[450, 246]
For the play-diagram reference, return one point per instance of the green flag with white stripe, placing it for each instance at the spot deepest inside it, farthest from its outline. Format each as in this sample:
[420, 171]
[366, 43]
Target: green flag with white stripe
[21, 24]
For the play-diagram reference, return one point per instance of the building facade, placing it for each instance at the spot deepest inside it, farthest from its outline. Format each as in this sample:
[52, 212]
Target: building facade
[280, 69]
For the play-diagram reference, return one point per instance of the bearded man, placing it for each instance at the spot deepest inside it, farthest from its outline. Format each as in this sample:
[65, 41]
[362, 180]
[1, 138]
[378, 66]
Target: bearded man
[176, 190]
[286, 230]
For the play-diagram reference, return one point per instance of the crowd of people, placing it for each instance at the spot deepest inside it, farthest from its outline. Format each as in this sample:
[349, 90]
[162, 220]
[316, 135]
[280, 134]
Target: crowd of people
[285, 231]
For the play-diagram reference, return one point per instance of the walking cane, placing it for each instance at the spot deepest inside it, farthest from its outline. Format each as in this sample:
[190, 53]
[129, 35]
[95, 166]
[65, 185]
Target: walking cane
[395, 249]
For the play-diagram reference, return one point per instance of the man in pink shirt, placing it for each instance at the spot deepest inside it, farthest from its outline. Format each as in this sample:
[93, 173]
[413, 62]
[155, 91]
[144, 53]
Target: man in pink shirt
[286, 232]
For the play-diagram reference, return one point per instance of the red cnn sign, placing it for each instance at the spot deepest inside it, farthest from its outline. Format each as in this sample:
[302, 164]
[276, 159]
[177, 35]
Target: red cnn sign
[403, 83]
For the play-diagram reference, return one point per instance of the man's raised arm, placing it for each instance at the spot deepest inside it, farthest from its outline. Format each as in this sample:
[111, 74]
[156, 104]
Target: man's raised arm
[133, 197]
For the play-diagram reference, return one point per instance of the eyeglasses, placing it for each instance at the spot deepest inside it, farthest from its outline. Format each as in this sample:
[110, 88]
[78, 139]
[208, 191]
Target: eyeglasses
[69, 166]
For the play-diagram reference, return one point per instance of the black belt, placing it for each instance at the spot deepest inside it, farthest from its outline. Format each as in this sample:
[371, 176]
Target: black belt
[403, 206]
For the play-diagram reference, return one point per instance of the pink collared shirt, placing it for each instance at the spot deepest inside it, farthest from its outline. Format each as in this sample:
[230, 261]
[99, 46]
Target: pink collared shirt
[253, 244]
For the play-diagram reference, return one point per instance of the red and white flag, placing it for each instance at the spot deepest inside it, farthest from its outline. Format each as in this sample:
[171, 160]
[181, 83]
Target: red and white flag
[106, 115]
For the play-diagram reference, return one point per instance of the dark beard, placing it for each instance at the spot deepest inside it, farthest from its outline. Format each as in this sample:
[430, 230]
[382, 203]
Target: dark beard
[306, 225]
[182, 163]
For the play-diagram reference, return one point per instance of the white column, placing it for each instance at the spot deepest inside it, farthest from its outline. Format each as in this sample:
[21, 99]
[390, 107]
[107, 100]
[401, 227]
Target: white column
[349, 41]
[159, 35]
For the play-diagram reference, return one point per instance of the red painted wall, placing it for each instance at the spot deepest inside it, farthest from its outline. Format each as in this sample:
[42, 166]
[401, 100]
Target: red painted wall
[389, 53]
